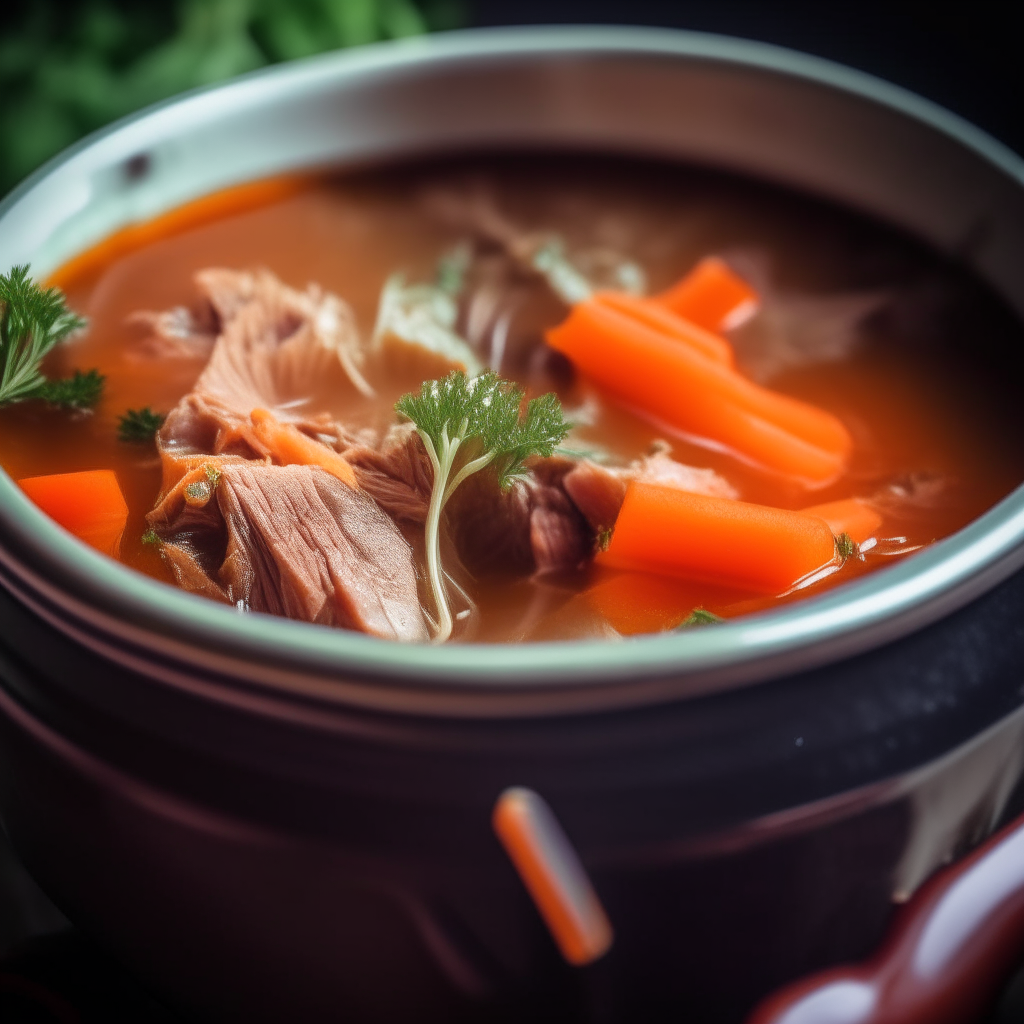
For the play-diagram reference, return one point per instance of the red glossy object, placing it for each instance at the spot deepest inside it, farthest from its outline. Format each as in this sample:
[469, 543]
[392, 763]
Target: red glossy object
[942, 962]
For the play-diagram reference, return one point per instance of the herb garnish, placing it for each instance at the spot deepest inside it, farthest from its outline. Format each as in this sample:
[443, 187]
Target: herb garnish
[138, 426]
[699, 617]
[466, 425]
[846, 547]
[79, 391]
[32, 321]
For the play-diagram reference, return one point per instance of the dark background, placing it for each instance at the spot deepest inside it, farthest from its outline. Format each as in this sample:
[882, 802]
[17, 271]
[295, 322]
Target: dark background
[967, 57]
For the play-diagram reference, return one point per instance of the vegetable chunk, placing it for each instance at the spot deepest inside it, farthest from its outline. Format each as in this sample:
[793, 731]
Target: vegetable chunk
[650, 370]
[670, 532]
[712, 296]
[852, 516]
[89, 504]
[656, 316]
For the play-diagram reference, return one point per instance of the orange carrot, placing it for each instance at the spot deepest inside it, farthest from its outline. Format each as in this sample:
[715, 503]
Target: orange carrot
[853, 516]
[712, 296]
[673, 382]
[660, 318]
[639, 602]
[290, 447]
[89, 505]
[670, 532]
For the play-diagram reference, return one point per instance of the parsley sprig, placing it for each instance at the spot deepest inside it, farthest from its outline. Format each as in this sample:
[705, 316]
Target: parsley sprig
[139, 426]
[32, 321]
[466, 425]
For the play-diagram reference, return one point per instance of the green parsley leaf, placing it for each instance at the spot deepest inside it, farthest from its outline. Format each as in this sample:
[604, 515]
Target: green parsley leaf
[138, 426]
[846, 547]
[700, 617]
[80, 391]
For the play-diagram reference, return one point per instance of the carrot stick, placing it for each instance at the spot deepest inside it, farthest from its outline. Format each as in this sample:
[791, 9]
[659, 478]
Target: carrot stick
[673, 382]
[89, 505]
[291, 447]
[712, 296]
[853, 516]
[660, 318]
[671, 532]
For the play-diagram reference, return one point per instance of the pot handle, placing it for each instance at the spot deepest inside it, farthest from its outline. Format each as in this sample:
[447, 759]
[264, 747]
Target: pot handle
[944, 958]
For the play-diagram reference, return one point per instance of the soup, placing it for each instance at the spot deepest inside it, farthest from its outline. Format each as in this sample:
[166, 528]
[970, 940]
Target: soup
[759, 397]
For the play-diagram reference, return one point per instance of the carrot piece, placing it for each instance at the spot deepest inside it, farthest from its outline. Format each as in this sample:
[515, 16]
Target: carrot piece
[671, 532]
[712, 296]
[853, 516]
[89, 504]
[639, 602]
[648, 369]
[291, 447]
[660, 318]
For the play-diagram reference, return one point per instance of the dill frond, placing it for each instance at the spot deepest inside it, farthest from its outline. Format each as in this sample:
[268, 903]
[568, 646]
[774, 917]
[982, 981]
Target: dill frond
[32, 321]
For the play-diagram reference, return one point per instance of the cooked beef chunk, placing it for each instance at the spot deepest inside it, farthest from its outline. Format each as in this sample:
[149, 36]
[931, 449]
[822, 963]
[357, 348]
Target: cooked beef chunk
[597, 492]
[289, 540]
[531, 527]
[396, 473]
[294, 541]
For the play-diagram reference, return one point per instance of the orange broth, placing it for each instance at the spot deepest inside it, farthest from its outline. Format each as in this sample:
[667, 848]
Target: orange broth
[923, 392]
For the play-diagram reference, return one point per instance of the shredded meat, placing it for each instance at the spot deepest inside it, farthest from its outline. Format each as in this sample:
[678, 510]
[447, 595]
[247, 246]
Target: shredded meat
[294, 541]
[659, 468]
[277, 345]
[597, 492]
[396, 473]
[178, 333]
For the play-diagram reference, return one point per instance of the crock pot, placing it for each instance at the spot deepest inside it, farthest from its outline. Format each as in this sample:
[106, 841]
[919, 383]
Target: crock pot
[268, 820]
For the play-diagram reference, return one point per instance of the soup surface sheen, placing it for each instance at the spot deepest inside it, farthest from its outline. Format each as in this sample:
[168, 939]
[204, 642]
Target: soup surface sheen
[911, 354]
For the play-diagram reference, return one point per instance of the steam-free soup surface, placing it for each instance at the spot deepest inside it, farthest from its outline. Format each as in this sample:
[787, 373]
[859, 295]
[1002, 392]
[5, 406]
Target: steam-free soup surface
[910, 353]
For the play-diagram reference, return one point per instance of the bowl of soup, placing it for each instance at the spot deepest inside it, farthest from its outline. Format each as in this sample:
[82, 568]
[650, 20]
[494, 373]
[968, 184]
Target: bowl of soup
[526, 521]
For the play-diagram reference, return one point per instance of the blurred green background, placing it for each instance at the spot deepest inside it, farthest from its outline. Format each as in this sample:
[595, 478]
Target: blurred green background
[69, 67]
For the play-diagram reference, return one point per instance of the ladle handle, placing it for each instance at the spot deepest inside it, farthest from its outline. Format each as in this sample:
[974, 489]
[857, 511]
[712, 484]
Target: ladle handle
[945, 956]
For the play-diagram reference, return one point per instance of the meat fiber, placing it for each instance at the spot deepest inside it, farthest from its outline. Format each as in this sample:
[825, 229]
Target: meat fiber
[289, 540]
[293, 541]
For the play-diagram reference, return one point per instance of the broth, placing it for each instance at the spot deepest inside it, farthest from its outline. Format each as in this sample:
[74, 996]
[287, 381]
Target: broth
[914, 357]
